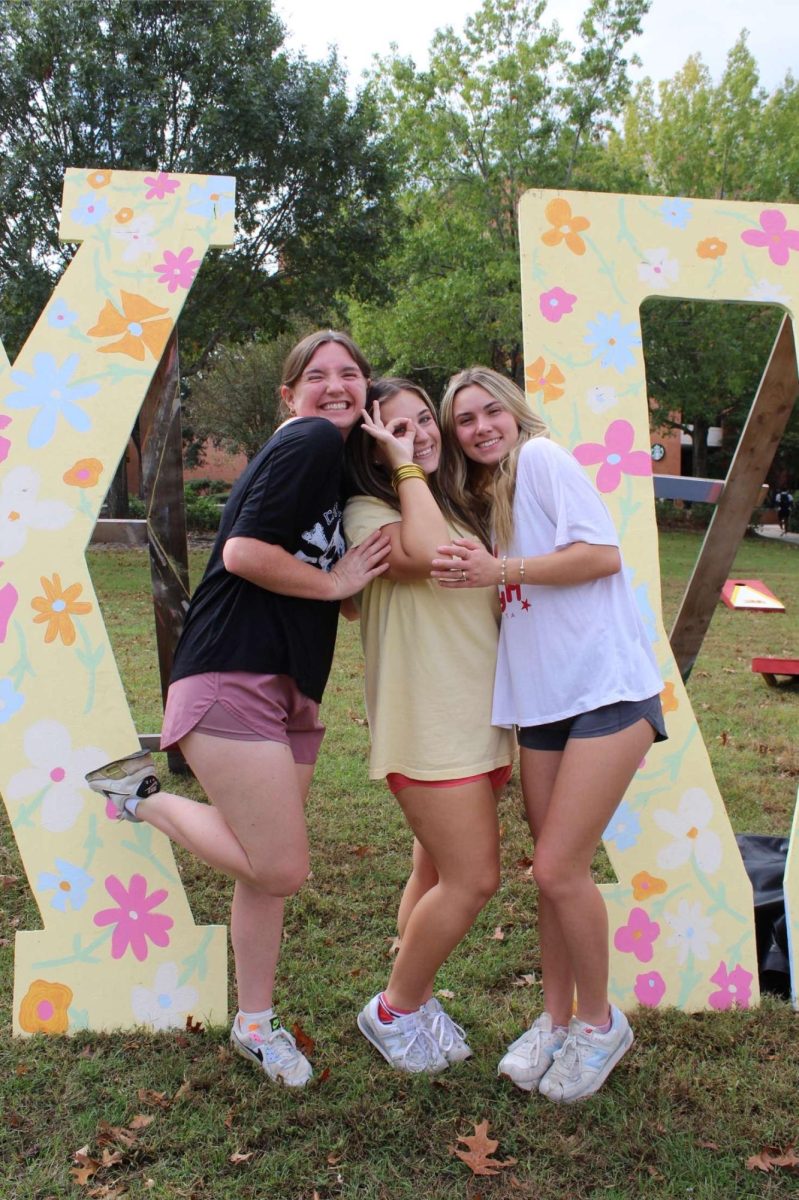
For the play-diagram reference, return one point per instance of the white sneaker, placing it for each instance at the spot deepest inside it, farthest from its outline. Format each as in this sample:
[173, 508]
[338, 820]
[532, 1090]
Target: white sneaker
[586, 1058]
[449, 1037]
[275, 1051]
[406, 1043]
[527, 1060]
[126, 777]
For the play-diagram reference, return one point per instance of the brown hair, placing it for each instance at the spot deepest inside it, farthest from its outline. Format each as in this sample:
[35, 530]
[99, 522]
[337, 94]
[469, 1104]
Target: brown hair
[297, 359]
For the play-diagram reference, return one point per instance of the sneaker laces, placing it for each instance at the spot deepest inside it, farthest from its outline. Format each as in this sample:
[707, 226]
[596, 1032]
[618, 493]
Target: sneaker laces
[568, 1060]
[284, 1046]
[446, 1032]
[420, 1045]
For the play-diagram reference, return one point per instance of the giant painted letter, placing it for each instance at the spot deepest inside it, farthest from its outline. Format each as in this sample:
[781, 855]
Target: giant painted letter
[119, 947]
[681, 917]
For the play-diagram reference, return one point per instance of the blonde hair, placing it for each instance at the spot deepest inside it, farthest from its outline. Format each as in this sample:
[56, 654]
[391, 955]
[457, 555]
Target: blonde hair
[468, 483]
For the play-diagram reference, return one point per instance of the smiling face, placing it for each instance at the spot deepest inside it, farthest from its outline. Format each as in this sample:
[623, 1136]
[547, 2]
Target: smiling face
[485, 430]
[427, 442]
[332, 386]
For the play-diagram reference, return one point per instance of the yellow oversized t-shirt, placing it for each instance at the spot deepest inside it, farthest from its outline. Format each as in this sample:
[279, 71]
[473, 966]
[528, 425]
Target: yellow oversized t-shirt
[430, 655]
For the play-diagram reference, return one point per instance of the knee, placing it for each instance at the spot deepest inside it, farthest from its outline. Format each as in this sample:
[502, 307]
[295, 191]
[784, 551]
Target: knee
[550, 875]
[284, 879]
[481, 885]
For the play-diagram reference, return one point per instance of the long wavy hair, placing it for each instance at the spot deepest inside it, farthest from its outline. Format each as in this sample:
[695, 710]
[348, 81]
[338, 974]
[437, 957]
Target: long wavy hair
[364, 475]
[468, 484]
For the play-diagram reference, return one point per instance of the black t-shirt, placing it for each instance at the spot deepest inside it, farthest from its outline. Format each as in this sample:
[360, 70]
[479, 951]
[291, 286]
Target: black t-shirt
[289, 495]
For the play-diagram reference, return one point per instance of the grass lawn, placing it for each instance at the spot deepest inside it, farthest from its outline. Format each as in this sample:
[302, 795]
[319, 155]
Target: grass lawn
[695, 1098]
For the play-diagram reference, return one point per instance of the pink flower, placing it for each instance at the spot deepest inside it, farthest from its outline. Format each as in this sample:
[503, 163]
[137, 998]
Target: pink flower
[134, 921]
[556, 303]
[160, 186]
[8, 602]
[178, 270]
[649, 989]
[735, 987]
[637, 936]
[5, 444]
[616, 456]
[773, 235]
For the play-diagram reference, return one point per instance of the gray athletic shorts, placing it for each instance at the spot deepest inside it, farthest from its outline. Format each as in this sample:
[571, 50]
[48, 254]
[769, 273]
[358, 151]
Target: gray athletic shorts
[599, 722]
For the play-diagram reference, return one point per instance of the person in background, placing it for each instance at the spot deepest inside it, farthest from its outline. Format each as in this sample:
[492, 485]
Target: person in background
[429, 666]
[577, 677]
[249, 672]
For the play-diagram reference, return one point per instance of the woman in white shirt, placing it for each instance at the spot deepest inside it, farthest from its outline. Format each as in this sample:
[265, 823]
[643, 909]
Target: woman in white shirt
[577, 677]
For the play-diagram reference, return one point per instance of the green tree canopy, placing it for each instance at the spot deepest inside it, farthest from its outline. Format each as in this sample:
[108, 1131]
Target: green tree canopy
[204, 87]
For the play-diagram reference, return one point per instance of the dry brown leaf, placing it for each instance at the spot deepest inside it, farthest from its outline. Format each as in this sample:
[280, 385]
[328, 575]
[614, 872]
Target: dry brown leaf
[362, 851]
[356, 971]
[141, 1121]
[21, 1069]
[523, 981]
[8, 881]
[240, 1158]
[356, 720]
[524, 863]
[85, 1166]
[324, 1075]
[478, 1157]
[498, 935]
[193, 1026]
[394, 947]
[305, 1044]
[182, 1091]
[768, 1160]
[157, 1099]
[445, 994]
[332, 1159]
[112, 1157]
[708, 1145]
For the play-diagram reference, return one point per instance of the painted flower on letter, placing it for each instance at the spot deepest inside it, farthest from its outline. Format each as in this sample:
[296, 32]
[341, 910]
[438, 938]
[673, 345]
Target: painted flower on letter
[637, 936]
[649, 989]
[8, 602]
[140, 323]
[44, 1007]
[5, 444]
[69, 884]
[623, 828]
[98, 179]
[85, 473]
[735, 987]
[548, 382]
[89, 210]
[47, 388]
[57, 607]
[612, 341]
[11, 700]
[774, 236]
[556, 303]
[616, 456]
[645, 886]
[711, 247]
[769, 293]
[659, 270]
[60, 315]
[215, 198]
[21, 510]
[668, 699]
[58, 771]
[676, 212]
[601, 399]
[565, 227]
[691, 837]
[165, 1005]
[177, 270]
[160, 186]
[136, 236]
[693, 932]
[133, 920]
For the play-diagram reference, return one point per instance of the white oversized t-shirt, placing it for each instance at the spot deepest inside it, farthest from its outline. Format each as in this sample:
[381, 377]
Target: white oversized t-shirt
[566, 650]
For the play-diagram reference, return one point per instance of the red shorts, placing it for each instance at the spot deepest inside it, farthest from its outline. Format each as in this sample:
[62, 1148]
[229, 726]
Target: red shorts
[244, 707]
[497, 778]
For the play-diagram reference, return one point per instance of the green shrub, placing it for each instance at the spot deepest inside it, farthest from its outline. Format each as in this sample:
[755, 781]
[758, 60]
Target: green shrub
[202, 513]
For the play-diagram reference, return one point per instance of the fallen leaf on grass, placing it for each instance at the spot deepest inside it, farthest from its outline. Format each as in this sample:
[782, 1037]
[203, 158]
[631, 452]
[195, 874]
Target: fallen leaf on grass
[324, 1076]
[498, 935]
[305, 1044]
[708, 1145]
[478, 1156]
[768, 1160]
[240, 1158]
[85, 1166]
[8, 881]
[141, 1121]
[356, 971]
[362, 851]
[193, 1026]
[182, 1091]
[112, 1158]
[157, 1099]
[394, 947]
[356, 720]
[445, 994]
[332, 1159]
[523, 981]
[524, 863]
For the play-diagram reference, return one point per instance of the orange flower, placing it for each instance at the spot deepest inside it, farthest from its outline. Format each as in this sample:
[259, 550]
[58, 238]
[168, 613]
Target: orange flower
[645, 885]
[98, 179]
[123, 216]
[668, 700]
[565, 227]
[137, 325]
[541, 380]
[84, 473]
[44, 1007]
[58, 606]
[711, 247]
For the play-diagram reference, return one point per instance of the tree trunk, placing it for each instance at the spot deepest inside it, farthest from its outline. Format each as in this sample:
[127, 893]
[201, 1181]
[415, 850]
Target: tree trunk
[699, 456]
[117, 498]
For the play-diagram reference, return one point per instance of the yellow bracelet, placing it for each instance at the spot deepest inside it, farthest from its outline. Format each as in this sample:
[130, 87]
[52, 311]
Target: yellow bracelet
[406, 471]
[503, 571]
[521, 572]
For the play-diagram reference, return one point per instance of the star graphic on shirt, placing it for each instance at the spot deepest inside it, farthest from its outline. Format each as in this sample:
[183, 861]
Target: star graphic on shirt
[525, 605]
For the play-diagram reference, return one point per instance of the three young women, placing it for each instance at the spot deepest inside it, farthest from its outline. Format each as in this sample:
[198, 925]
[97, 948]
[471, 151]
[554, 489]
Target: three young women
[249, 672]
[577, 677]
[429, 665]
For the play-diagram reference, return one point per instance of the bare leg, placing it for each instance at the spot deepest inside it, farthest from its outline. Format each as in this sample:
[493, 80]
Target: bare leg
[590, 781]
[422, 878]
[458, 829]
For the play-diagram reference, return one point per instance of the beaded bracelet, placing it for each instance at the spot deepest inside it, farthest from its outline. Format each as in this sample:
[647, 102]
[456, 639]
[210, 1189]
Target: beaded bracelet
[503, 570]
[521, 572]
[406, 471]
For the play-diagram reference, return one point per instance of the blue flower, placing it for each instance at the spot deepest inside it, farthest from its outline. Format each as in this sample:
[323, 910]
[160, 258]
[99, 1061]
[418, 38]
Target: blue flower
[59, 316]
[612, 341]
[641, 595]
[70, 885]
[214, 199]
[90, 209]
[11, 701]
[47, 388]
[676, 212]
[624, 828]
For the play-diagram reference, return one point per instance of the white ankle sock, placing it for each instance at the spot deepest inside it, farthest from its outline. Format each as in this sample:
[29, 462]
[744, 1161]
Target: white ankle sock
[258, 1018]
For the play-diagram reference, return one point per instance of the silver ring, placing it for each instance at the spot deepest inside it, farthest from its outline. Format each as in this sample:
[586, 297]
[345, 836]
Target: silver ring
[463, 576]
